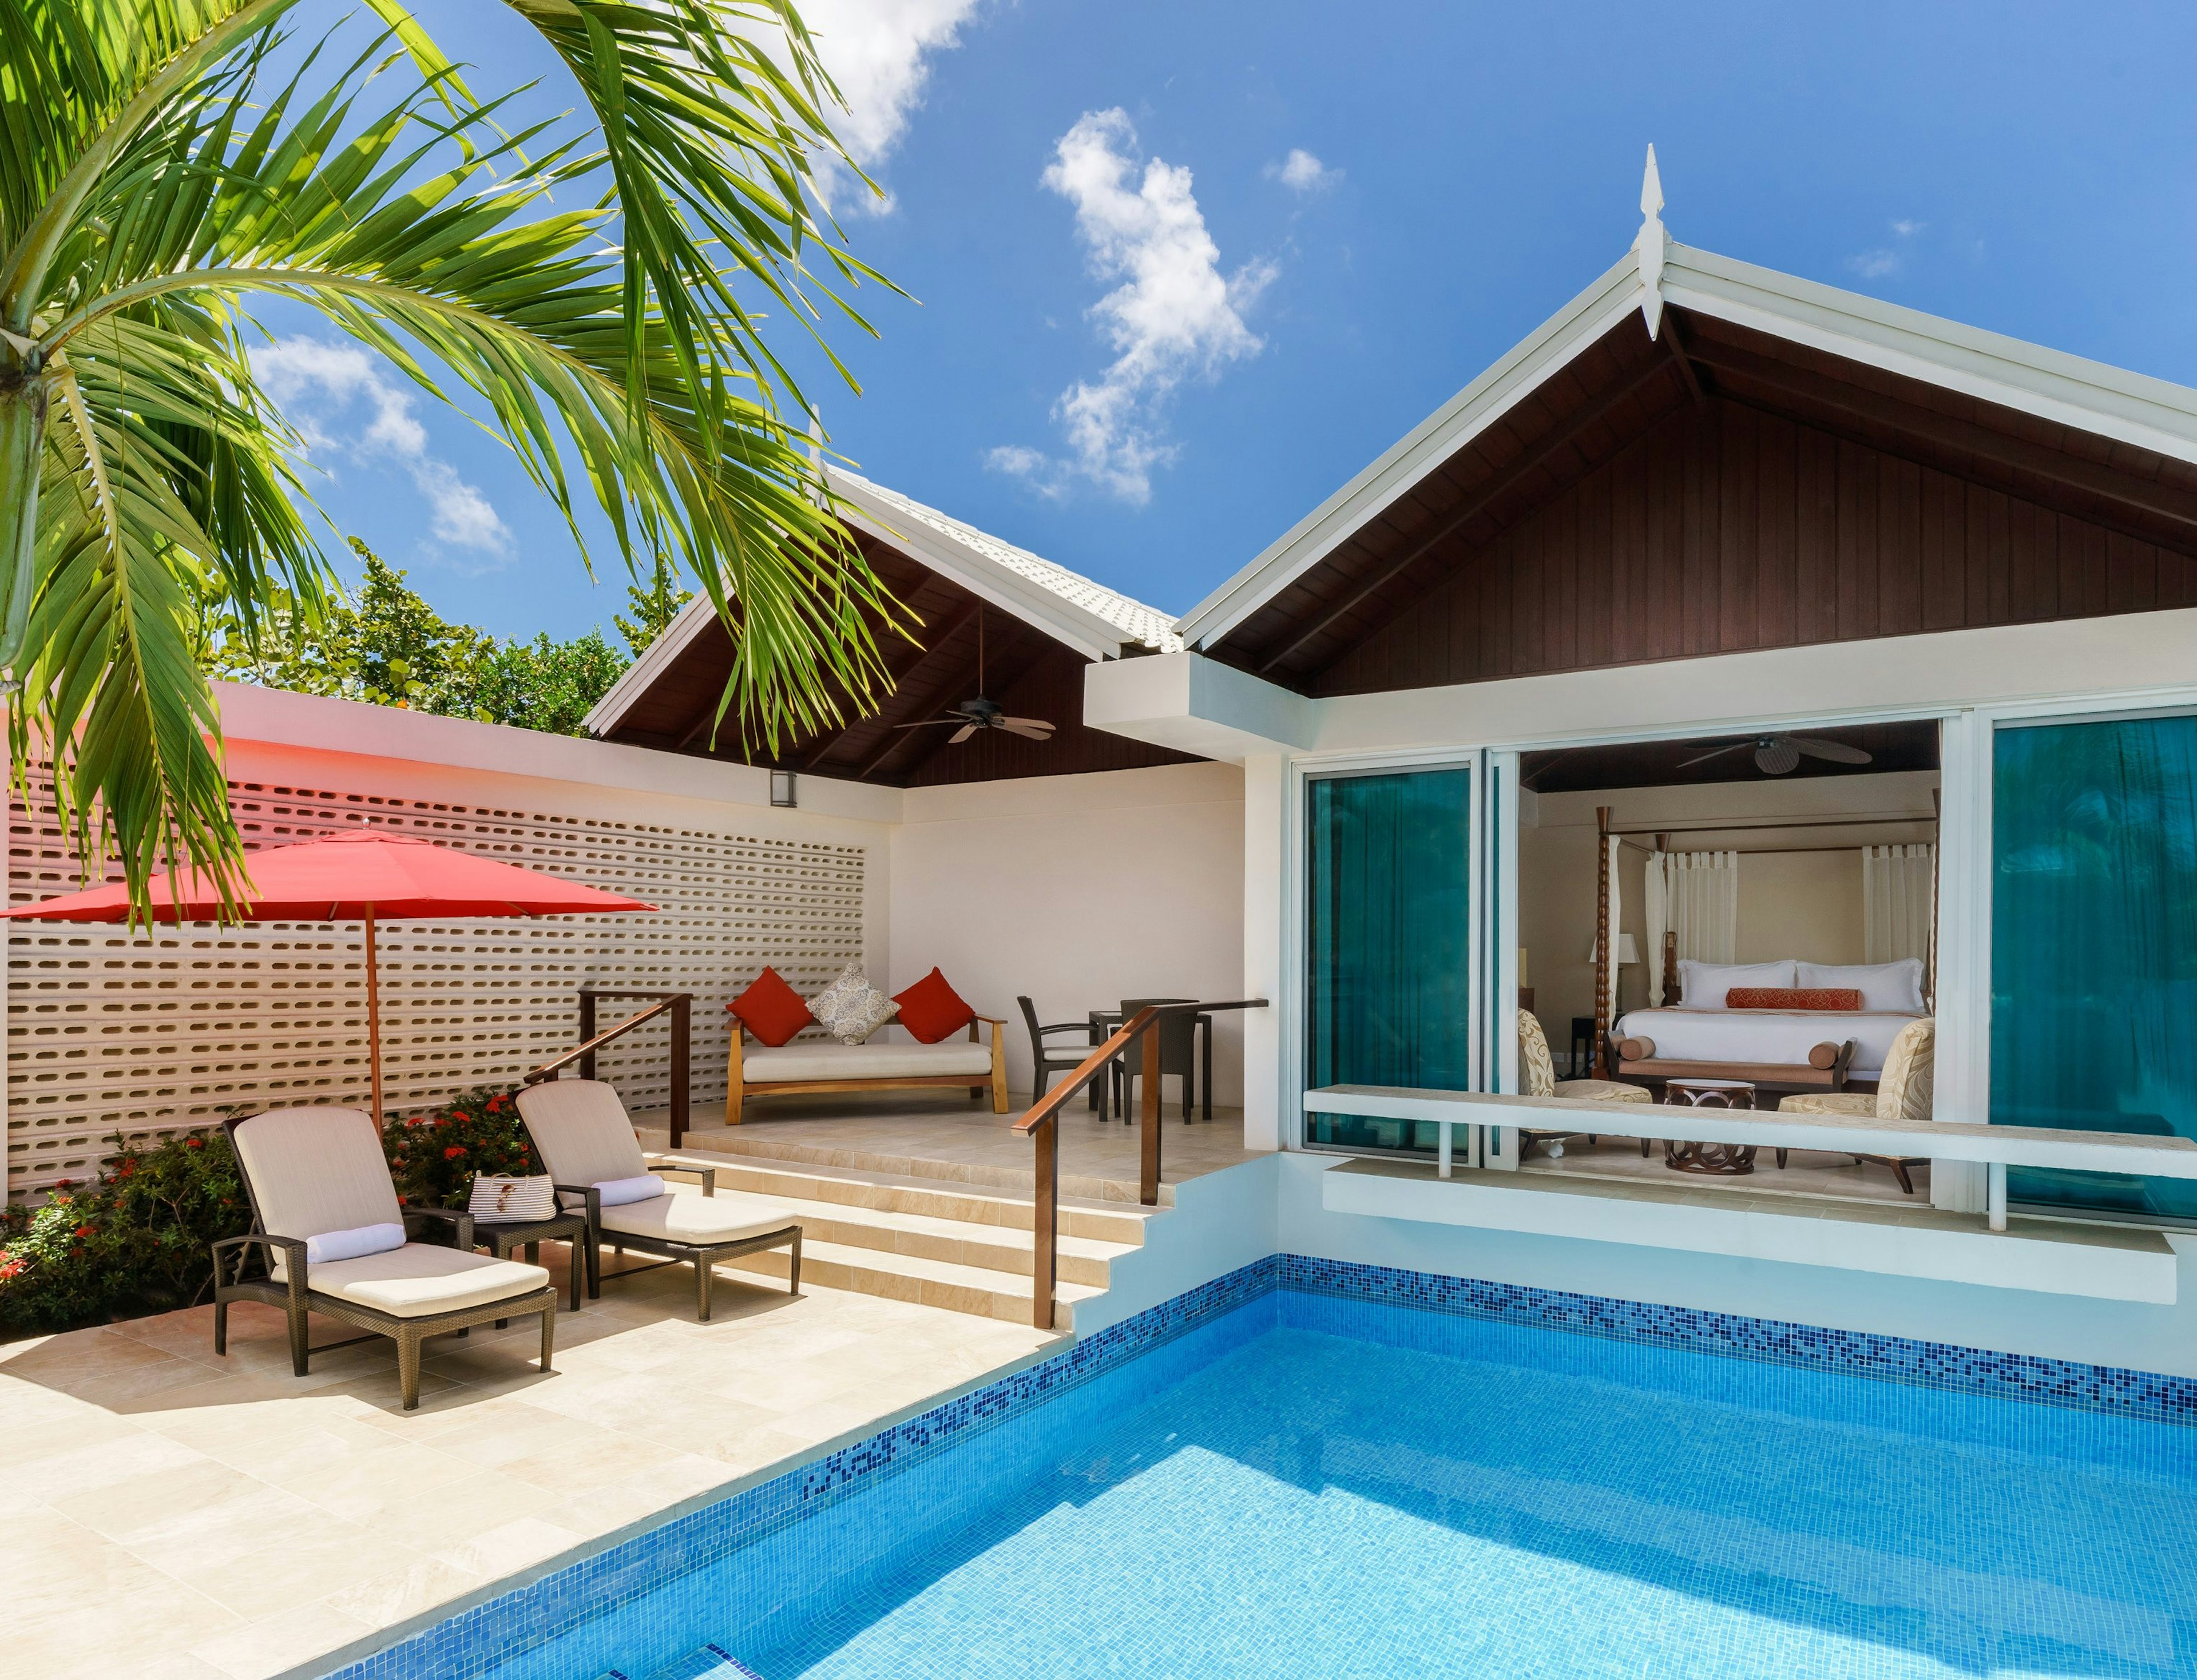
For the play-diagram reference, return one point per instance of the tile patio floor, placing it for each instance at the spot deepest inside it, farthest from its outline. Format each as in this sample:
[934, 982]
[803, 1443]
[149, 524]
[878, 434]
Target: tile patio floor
[170, 1515]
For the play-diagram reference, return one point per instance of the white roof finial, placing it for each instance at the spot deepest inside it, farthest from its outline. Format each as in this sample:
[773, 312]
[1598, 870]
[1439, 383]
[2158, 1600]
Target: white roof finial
[1648, 245]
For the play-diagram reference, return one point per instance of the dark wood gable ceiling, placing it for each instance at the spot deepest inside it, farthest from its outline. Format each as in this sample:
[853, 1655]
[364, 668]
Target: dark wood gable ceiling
[1720, 490]
[1025, 670]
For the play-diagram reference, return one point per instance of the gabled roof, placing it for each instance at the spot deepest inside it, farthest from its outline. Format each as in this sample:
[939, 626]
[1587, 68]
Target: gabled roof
[1085, 616]
[2111, 403]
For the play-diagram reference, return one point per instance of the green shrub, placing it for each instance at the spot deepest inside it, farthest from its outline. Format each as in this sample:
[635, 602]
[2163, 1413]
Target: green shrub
[433, 1157]
[137, 1240]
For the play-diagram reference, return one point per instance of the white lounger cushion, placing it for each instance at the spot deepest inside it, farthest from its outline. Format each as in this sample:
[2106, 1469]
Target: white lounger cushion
[314, 1171]
[581, 1131]
[807, 1061]
[692, 1217]
[418, 1279]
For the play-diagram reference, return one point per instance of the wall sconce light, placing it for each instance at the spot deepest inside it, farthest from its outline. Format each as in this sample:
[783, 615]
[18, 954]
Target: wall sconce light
[782, 792]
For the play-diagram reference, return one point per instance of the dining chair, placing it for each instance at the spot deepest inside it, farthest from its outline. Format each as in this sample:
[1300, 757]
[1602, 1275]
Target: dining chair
[1047, 1060]
[1178, 1055]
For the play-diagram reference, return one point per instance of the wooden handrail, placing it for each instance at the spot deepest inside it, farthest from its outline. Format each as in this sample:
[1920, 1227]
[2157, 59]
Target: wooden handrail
[680, 1005]
[1042, 1122]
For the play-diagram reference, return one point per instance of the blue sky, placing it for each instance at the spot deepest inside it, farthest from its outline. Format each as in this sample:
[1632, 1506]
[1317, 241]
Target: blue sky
[1183, 269]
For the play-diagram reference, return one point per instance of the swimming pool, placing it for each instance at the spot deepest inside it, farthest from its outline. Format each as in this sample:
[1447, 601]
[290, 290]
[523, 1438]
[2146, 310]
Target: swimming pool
[1324, 1482]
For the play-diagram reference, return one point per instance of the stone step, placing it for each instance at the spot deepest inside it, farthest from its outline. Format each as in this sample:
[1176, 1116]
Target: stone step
[721, 1143]
[978, 1291]
[853, 1187]
[993, 1247]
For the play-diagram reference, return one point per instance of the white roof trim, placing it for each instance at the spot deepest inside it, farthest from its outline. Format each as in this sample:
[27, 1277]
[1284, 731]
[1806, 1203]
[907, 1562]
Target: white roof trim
[1086, 616]
[2091, 396]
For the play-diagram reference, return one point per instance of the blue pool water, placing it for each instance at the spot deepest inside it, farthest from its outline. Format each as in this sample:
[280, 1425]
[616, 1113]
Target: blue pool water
[1320, 1489]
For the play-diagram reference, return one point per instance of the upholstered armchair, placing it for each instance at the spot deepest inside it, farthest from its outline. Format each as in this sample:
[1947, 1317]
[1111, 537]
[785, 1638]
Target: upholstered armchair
[1537, 1076]
[1903, 1093]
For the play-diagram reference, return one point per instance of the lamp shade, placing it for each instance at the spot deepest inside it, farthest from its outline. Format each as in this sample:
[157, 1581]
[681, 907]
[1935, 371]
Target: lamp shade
[1628, 950]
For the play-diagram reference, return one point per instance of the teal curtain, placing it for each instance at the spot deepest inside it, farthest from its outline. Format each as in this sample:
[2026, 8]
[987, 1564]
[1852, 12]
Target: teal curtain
[2094, 946]
[1388, 923]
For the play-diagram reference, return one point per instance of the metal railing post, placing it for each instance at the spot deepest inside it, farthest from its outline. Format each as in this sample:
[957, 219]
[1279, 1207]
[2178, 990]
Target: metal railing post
[587, 1031]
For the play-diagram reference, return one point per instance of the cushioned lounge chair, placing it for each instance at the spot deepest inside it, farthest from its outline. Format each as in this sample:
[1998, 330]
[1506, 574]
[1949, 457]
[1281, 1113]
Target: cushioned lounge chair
[584, 1137]
[317, 1181]
[1904, 1092]
[1537, 1076]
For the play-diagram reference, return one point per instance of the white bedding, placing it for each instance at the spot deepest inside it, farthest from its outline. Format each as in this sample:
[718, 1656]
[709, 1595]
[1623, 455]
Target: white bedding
[1765, 1034]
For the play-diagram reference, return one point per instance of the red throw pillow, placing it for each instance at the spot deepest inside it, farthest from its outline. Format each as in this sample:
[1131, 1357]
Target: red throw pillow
[930, 1009]
[1793, 997]
[772, 1009]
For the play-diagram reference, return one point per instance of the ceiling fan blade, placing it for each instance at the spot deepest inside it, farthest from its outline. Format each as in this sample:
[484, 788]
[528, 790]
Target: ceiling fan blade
[1837, 752]
[1016, 725]
[928, 722]
[1735, 747]
[961, 734]
[1026, 723]
[1776, 759]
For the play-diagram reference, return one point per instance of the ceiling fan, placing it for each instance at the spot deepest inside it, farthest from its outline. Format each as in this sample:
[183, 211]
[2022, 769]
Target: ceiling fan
[1777, 754]
[982, 713]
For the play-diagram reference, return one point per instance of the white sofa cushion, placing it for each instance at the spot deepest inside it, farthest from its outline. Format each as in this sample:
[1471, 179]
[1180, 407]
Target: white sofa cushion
[418, 1279]
[807, 1061]
[691, 1217]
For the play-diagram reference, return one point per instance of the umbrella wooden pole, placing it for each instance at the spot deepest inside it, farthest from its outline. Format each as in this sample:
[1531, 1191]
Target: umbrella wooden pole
[373, 1019]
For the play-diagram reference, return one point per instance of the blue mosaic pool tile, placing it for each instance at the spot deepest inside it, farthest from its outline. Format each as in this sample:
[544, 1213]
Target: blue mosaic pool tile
[474, 1641]
[2147, 1395]
[815, 1498]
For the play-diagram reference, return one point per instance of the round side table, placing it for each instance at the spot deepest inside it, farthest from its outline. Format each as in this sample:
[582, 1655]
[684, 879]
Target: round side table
[1720, 1161]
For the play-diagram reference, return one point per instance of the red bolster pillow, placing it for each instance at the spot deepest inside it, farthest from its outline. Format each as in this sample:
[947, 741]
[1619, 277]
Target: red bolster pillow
[1844, 998]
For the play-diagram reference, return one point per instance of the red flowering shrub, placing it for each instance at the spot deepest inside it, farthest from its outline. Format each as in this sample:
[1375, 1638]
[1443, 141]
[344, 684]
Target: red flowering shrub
[135, 1240]
[433, 1157]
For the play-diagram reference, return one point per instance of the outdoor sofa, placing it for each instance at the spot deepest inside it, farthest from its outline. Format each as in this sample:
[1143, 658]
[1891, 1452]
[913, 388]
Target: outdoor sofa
[813, 1065]
[586, 1140]
[318, 1184]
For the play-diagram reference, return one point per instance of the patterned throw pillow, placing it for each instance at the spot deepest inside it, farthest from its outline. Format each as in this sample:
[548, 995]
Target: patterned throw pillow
[1838, 998]
[850, 1009]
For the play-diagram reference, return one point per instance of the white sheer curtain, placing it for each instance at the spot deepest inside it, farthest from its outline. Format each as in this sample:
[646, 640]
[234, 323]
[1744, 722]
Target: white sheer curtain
[1898, 885]
[1702, 901]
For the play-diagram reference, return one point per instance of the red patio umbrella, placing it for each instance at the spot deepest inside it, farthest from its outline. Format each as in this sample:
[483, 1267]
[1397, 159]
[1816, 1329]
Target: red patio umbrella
[357, 876]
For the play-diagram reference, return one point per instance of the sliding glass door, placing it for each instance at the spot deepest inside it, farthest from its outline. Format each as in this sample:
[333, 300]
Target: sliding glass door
[2094, 945]
[1388, 944]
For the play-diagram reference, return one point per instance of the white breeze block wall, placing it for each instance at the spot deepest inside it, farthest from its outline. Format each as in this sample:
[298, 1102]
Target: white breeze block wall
[1078, 891]
[109, 1033]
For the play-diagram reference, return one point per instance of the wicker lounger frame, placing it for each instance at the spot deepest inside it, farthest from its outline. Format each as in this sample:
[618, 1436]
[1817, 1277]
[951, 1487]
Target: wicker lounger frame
[232, 1281]
[703, 1255]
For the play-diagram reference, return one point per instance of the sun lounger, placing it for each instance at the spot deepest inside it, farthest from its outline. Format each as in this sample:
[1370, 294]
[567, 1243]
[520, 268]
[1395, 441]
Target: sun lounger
[335, 1241]
[581, 1131]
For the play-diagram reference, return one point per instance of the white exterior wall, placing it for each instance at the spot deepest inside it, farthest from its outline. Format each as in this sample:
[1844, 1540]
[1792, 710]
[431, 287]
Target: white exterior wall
[1077, 891]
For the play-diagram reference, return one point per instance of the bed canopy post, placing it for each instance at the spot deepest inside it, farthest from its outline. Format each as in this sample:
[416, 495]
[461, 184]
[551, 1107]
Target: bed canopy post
[1602, 942]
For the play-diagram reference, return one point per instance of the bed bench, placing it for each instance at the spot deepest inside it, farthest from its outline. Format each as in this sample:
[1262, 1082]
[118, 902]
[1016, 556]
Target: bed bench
[824, 1065]
[1825, 1069]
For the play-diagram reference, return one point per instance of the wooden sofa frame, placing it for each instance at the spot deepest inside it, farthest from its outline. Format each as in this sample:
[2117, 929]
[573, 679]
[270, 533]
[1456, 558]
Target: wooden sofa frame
[738, 1089]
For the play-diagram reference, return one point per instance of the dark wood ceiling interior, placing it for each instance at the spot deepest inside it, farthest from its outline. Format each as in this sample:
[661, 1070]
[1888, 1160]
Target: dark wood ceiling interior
[1024, 670]
[1910, 745]
[1363, 618]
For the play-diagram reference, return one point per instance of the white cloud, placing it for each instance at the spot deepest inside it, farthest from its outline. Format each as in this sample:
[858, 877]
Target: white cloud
[1301, 172]
[1907, 227]
[1876, 264]
[1173, 317]
[317, 383]
[879, 53]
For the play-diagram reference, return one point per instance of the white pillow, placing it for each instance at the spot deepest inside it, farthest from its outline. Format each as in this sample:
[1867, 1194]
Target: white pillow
[1702, 985]
[1893, 988]
[617, 1192]
[850, 1009]
[361, 1240]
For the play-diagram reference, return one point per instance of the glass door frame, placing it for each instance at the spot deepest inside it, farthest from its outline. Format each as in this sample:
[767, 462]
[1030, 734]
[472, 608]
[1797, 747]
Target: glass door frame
[1295, 992]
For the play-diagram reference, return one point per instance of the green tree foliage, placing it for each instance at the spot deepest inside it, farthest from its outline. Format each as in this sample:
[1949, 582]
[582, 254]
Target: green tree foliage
[595, 288]
[653, 608]
[386, 645]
